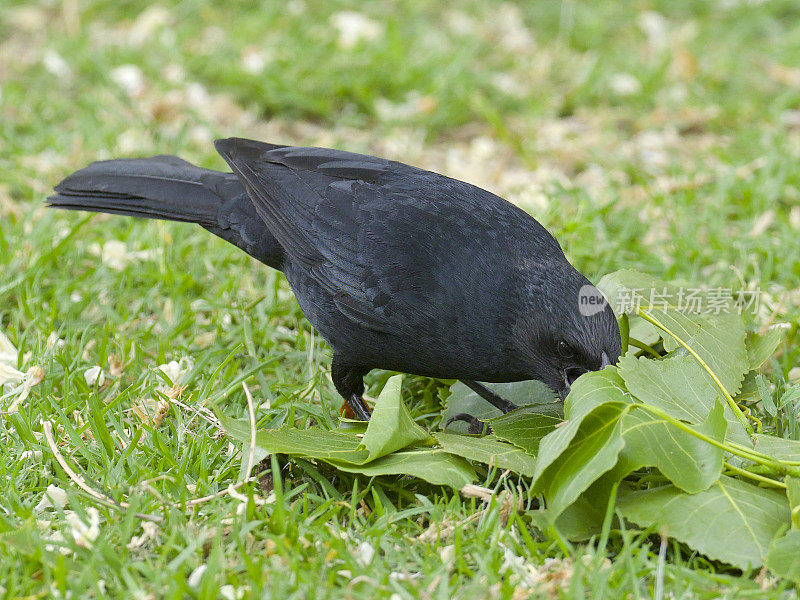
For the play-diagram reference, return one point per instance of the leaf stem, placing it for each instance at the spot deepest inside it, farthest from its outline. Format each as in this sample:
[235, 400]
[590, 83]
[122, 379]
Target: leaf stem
[642, 346]
[756, 476]
[777, 466]
[791, 463]
[624, 332]
[731, 402]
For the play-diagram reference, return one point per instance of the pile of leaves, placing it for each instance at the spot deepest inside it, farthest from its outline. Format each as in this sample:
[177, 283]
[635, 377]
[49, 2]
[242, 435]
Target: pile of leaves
[663, 440]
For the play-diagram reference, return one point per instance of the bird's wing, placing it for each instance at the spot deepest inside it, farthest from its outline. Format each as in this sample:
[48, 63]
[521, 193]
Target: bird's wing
[379, 236]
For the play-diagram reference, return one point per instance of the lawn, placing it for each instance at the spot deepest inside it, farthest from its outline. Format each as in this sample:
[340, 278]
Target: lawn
[659, 136]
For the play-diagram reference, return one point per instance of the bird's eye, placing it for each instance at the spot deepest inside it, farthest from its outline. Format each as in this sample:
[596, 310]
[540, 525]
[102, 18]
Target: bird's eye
[564, 350]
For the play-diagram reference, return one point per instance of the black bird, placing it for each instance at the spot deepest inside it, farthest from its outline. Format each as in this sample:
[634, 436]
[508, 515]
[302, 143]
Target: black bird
[397, 268]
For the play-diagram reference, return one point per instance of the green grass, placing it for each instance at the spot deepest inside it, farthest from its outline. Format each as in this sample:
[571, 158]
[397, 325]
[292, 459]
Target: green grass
[691, 176]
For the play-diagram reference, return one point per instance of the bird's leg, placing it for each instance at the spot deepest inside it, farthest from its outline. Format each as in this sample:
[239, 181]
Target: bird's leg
[488, 395]
[475, 425]
[349, 382]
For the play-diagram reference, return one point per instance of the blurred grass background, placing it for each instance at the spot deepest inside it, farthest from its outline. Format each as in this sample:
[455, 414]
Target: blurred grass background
[655, 135]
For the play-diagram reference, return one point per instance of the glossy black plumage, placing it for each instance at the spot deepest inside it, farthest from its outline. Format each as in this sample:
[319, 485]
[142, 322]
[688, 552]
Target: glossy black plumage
[397, 267]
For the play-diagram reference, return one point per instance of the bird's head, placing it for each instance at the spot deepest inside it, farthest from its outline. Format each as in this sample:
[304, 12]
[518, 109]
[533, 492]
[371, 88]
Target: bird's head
[568, 328]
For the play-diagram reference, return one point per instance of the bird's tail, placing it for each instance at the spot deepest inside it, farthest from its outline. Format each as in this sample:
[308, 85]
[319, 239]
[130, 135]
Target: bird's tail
[161, 187]
[166, 187]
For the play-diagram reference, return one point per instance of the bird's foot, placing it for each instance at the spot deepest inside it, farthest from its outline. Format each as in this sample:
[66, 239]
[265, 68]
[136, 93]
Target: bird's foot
[346, 412]
[355, 408]
[476, 426]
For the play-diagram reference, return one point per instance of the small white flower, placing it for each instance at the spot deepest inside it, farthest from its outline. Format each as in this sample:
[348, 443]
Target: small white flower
[149, 532]
[115, 254]
[85, 534]
[129, 78]
[624, 84]
[255, 59]
[354, 27]
[53, 341]
[176, 369]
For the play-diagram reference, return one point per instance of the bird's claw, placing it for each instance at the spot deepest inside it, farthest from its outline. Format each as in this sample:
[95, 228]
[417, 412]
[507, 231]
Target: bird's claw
[476, 426]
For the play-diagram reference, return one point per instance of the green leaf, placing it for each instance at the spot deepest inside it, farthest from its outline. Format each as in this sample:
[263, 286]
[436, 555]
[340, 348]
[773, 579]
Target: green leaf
[644, 331]
[578, 521]
[584, 517]
[390, 426]
[621, 286]
[591, 452]
[749, 391]
[784, 556]
[777, 447]
[717, 339]
[590, 392]
[679, 386]
[345, 451]
[525, 427]
[690, 463]
[732, 521]
[793, 494]
[488, 450]
[522, 393]
[435, 466]
[760, 346]
[312, 443]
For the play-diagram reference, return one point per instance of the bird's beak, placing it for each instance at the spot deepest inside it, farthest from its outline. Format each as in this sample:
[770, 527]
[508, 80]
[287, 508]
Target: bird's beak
[604, 361]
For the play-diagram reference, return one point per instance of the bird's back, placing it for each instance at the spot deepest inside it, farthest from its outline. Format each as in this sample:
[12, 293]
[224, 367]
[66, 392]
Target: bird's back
[394, 262]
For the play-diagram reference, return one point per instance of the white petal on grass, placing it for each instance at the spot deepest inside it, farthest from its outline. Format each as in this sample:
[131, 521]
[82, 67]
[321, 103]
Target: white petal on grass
[53, 497]
[129, 78]
[762, 223]
[53, 341]
[794, 217]
[149, 532]
[94, 375]
[255, 59]
[56, 64]
[230, 592]
[624, 84]
[17, 385]
[196, 576]
[655, 27]
[8, 353]
[447, 554]
[10, 374]
[365, 553]
[176, 369]
[354, 27]
[149, 20]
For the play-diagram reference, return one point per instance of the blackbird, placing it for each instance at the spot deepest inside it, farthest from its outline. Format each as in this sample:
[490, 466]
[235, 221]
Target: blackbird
[398, 268]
